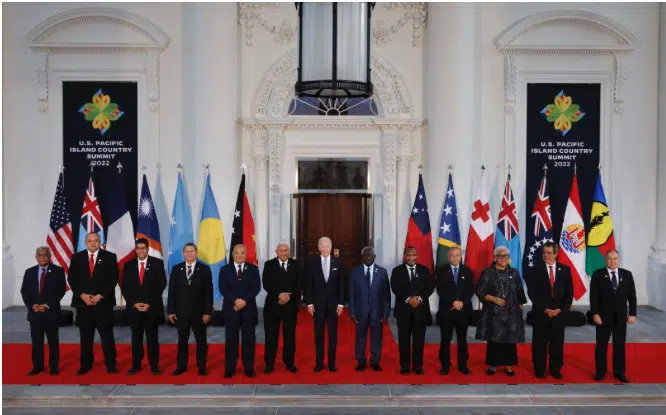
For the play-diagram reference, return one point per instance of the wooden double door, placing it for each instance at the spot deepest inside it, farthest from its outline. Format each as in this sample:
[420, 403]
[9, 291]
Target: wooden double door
[343, 217]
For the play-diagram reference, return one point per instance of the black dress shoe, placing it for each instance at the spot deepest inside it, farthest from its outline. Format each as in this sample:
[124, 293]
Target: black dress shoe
[464, 370]
[332, 369]
[540, 375]
[132, 371]
[34, 371]
[268, 370]
[179, 371]
[318, 368]
[228, 375]
[404, 371]
[202, 372]
[598, 377]
[112, 370]
[292, 369]
[509, 372]
[418, 371]
[82, 371]
[155, 371]
[55, 371]
[490, 371]
[556, 374]
[376, 367]
[444, 371]
[622, 378]
[250, 373]
[360, 367]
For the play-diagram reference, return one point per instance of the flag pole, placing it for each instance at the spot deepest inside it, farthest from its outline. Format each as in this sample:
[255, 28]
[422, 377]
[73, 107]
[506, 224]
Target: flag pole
[508, 176]
[179, 168]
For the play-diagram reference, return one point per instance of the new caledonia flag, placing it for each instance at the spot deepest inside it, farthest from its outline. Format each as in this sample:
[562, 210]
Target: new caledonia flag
[600, 238]
[243, 227]
[212, 251]
[419, 234]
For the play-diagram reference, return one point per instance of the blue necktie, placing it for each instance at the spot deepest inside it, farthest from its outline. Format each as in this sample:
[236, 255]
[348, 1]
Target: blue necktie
[614, 280]
[455, 275]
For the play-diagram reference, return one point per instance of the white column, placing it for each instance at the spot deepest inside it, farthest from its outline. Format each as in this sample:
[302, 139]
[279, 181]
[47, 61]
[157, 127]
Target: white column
[261, 206]
[404, 200]
[276, 142]
[657, 263]
[390, 244]
[451, 106]
[211, 108]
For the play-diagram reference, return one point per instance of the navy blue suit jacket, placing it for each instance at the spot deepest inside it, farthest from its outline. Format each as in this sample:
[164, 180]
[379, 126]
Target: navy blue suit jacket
[246, 288]
[373, 301]
[54, 290]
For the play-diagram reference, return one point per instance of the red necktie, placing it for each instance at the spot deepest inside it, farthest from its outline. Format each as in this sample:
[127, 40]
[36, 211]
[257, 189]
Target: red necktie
[552, 280]
[142, 271]
[42, 281]
[240, 273]
[91, 264]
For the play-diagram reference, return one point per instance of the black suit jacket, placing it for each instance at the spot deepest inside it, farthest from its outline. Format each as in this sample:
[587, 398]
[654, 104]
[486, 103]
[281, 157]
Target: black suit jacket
[324, 294]
[195, 299]
[538, 288]
[54, 290]
[422, 285]
[612, 306]
[247, 288]
[448, 291]
[276, 281]
[154, 283]
[103, 281]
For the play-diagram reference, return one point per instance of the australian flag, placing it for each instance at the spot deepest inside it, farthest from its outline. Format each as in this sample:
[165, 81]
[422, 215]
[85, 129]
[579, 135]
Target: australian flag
[539, 228]
[419, 234]
[507, 232]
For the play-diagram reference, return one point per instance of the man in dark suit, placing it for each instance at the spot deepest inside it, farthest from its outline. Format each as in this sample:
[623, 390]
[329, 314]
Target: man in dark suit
[412, 285]
[144, 280]
[93, 276]
[369, 307]
[239, 285]
[282, 282]
[325, 296]
[550, 288]
[190, 306]
[42, 289]
[455, 286]
[611, 288]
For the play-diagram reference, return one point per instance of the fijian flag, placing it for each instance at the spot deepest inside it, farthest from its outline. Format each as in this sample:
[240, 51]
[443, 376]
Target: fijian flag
[147, 226]
[243, 227]
[539, 228]
[507, 232]
[91, 217]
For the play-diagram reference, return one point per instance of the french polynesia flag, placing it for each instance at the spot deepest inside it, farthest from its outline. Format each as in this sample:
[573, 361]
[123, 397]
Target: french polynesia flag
[572, 242]
[147, 226]
[481, 236]
[243, 227]
[419, 234]
[120, 234]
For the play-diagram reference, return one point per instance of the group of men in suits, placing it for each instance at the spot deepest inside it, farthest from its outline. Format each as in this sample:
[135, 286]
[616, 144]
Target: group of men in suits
[93, 276]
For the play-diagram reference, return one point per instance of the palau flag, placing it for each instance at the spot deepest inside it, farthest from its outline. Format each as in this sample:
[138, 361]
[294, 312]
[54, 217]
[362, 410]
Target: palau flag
[180, 231]
[600, 238]
[147, 226]
[507, 232]
[449, 231]
[211, 238]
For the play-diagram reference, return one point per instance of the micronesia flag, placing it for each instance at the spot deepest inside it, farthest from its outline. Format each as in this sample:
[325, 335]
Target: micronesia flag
[212, 251]
[91, 217]
[180, 231]
[507, 232]
[147, 226]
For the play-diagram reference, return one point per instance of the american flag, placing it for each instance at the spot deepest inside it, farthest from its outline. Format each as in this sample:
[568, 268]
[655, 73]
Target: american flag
[60, 238]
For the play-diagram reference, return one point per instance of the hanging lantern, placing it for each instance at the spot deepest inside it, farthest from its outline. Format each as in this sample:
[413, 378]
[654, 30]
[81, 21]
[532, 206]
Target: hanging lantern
[334, 50]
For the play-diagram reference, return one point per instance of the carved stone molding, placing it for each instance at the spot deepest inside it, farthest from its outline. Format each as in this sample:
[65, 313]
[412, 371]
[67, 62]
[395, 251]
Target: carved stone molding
[620, 78]
[41, 40]
[389, 142]
[510, 78]
[275, 144]
[417, 13]
[261, 161]
[404, 162]
[250, 15]
[277, 88]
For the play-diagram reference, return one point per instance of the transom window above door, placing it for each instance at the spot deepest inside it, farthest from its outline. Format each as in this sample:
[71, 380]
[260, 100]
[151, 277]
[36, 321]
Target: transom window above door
[333, 106]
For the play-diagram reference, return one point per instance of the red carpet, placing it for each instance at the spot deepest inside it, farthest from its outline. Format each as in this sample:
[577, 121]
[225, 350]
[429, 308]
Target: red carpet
[645, 364]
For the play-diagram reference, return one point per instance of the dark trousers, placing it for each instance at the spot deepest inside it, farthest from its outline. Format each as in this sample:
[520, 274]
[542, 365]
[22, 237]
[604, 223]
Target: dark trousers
[548, 344]
[143, 322]
[40, 325]
[411, 340]
[88, 321]
[272, 324]
[235, 323]
[323, 318]
[619, 332]
[375, 339]
[184, 324]
[457, 320]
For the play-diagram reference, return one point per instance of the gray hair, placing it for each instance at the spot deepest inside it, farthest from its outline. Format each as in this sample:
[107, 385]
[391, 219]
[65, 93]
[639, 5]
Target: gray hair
[456, 248]
[192, 244]
[324, 239]
[368, 248]
[610, 251]
[43, 248]
[500, 249]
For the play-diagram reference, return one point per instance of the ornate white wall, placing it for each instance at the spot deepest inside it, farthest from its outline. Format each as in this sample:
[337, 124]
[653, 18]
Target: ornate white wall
[215, 82]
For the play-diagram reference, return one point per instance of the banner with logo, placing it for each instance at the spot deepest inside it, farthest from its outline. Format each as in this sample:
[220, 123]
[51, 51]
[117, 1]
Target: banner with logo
[100, 131]
[563, 132]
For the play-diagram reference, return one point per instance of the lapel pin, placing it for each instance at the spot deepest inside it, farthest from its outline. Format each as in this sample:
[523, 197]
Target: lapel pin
[182, 268]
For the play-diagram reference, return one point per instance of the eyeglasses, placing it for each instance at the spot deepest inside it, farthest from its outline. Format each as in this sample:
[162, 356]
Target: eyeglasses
[502, 256]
